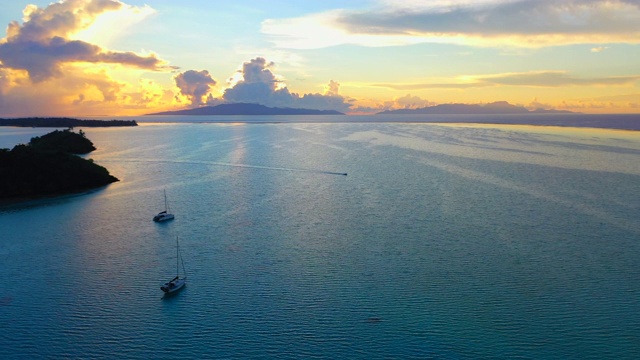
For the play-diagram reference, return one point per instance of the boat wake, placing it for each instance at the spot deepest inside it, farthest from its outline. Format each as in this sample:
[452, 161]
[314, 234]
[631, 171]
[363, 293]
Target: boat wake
[215, 163]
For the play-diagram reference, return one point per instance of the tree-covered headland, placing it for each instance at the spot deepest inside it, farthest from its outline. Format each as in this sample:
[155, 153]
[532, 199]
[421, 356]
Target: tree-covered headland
[48, 165]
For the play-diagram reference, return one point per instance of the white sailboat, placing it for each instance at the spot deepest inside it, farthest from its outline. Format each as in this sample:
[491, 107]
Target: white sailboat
[177, 282]
[165, 214]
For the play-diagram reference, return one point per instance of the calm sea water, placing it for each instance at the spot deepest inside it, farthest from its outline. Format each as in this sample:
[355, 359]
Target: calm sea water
[444, 241]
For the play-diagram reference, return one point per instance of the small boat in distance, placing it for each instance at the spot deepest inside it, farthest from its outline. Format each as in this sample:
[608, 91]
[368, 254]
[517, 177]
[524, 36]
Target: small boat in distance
[177, 282]
[165, 214]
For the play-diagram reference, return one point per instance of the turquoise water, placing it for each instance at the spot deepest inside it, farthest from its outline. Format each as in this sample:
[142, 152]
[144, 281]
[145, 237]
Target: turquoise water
[449, 242]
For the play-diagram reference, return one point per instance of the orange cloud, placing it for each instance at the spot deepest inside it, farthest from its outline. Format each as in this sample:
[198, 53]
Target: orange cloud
[44, 71]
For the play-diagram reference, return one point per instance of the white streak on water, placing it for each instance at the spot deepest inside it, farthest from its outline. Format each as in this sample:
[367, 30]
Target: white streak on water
[214, 163]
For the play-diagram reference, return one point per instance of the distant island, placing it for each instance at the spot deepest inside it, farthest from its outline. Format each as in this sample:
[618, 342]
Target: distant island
[494, 108]
[47, 166]
[64, 122]
[247, 109]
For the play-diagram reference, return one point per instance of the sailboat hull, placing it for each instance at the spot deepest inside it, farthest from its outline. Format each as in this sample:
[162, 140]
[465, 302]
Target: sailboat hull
[173, 286]
[163, 217]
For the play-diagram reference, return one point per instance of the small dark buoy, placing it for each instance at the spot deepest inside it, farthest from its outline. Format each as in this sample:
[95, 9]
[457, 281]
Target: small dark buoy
[374, 320]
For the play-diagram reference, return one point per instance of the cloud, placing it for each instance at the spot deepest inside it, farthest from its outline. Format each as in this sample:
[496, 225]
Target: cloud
[85, 89]
[42, 45]
[520, 23]
[535, 104]
[332, 89]
[411, 102]
[195, 85]
[325, 30]
[43, 60]
[256, 84]
[629, 103]
[258, 71]
[110, 26]
[46, 69]
[404, 102]
[259, 85]
[59, 19]
[531, 79]
[599, 49]
[553, 79]
[604, 105]
[149, 95]
[635, 98]
[420, 86]
[82, 91]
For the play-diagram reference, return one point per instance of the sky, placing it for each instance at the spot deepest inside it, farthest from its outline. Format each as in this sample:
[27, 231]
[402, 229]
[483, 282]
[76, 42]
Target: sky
[132, 57]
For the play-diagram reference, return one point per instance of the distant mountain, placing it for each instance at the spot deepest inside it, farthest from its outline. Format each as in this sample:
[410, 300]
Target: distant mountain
[247, 109]
[494, 108]
[551, 111]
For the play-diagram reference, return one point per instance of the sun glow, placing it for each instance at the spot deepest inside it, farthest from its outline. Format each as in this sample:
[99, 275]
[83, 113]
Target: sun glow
[110, 26]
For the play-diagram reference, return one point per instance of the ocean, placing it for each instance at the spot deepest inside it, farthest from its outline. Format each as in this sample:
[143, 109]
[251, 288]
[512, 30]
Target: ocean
[443, 240]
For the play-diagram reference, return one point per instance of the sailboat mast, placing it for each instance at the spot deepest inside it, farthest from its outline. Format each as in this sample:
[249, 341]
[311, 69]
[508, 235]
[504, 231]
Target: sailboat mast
[184, 271]
[177, 257]
[166, 208]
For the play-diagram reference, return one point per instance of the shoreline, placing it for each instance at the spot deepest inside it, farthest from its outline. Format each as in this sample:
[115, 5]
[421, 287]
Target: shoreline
[626, 122]
[62, 122]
